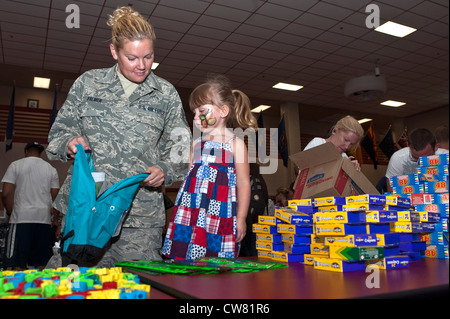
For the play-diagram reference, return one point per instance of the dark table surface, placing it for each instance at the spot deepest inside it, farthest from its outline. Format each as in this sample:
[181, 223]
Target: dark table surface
[423, 278]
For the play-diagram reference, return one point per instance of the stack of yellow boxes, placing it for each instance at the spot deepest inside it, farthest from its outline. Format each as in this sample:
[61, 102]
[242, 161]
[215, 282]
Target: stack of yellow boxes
[342, 233]
[285, 237]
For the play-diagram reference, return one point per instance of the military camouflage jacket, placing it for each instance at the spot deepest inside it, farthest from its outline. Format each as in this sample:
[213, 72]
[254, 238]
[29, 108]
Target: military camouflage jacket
[126, 135]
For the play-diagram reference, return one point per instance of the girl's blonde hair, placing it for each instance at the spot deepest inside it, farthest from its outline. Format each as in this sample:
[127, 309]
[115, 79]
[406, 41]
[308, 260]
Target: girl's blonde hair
[217, 91]
[126, 23]
[350, 124]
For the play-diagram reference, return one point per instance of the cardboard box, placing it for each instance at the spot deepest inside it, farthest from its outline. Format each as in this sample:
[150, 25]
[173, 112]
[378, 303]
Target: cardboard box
[338, 265]
[409, 189]
[392, 262]
[265, 254]
[340, 217]
[429, 227]
[264, 229]
[337, 229]
[297, 249]
[434, 170]
[328, 200]
[309, 259]
[388, 239]
[431, 178]
[365, 199]
[432, 160]
[352, 240]
[429, 217]
[396, 200]
[436, 251]
[324, 172]
[413, 246]
[294, 229]
[268, 220]
[296, 239]
[418, 199]
[408, 216]
[264, 245]
[436, 238]
[356, 253]
[406, 227]
[378, 228]
[290, 216]
[361, 207]
[441, 209]
[272, 238]
[404, 180]
[441, 198]
[381, 216]
[320, 249]
[329, 209]
[436, 187]
[300, 202]
[283, 256]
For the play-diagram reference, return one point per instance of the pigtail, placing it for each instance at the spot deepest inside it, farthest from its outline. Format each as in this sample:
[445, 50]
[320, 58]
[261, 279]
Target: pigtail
[243, 115]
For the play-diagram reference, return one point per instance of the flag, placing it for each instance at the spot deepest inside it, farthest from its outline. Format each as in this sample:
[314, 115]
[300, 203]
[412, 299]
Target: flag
[10, 124]
[282, 142]
[370, 145]
[403, 140]
[387, 144]
[54, 107]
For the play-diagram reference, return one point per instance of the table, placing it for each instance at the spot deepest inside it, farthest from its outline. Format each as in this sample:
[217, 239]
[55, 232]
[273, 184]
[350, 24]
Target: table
[423, 278]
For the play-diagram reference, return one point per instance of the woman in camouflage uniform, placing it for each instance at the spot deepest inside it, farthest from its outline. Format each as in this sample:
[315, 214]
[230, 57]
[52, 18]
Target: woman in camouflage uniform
[133, 122]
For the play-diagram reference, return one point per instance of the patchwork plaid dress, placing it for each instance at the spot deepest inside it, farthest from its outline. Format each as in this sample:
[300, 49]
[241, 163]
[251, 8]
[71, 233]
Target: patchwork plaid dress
[203, 223]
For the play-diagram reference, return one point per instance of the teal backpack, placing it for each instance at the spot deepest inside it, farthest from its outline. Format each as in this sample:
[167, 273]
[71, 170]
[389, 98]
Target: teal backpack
[92, 221]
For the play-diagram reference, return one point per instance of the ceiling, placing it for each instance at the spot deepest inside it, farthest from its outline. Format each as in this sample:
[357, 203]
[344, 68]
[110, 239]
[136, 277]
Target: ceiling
[256, 43]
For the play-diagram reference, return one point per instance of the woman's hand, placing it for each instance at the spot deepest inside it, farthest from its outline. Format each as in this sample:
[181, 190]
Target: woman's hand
[72, 146]
[355, 163]
[156, 177]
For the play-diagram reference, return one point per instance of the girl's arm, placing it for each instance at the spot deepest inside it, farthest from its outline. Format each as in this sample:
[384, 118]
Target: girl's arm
[242, 187]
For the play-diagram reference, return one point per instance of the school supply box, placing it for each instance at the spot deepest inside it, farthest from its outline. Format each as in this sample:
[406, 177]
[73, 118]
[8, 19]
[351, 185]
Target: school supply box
[324, 172]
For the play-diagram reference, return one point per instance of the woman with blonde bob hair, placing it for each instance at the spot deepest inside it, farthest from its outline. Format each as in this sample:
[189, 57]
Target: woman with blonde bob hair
[345, 135]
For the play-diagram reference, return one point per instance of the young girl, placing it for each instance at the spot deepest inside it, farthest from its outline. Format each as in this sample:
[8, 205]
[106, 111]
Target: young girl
[211, 206]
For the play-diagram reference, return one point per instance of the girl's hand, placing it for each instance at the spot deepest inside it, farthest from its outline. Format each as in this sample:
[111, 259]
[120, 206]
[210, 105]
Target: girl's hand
[241, 230]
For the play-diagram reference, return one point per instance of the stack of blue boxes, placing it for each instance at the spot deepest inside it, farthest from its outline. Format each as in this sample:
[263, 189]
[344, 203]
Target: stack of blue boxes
[429, 194]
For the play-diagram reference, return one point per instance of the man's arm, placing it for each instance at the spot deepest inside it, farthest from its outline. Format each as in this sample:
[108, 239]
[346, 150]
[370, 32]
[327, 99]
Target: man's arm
[8, 197]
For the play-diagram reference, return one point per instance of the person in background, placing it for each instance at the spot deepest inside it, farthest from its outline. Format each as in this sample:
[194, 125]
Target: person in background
[209, 218]
[133, 122]
[283, 195]
[345, 135]
[29, 187]
[421, 142]
[441, 134]
[258, 206]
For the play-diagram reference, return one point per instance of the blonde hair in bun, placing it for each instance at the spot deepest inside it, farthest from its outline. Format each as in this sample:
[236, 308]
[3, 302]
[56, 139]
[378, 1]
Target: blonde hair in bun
[126, 23]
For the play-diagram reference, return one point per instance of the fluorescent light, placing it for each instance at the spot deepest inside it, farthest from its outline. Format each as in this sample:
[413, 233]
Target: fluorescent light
[393, 103]
[361, 121]
[395, 29]
[42, 83]
[288, 87]
[155, 65]
[260, 108]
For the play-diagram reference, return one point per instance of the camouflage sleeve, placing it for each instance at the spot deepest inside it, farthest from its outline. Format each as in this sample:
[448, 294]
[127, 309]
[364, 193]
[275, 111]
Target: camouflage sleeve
[175, 142]
[66, 125]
